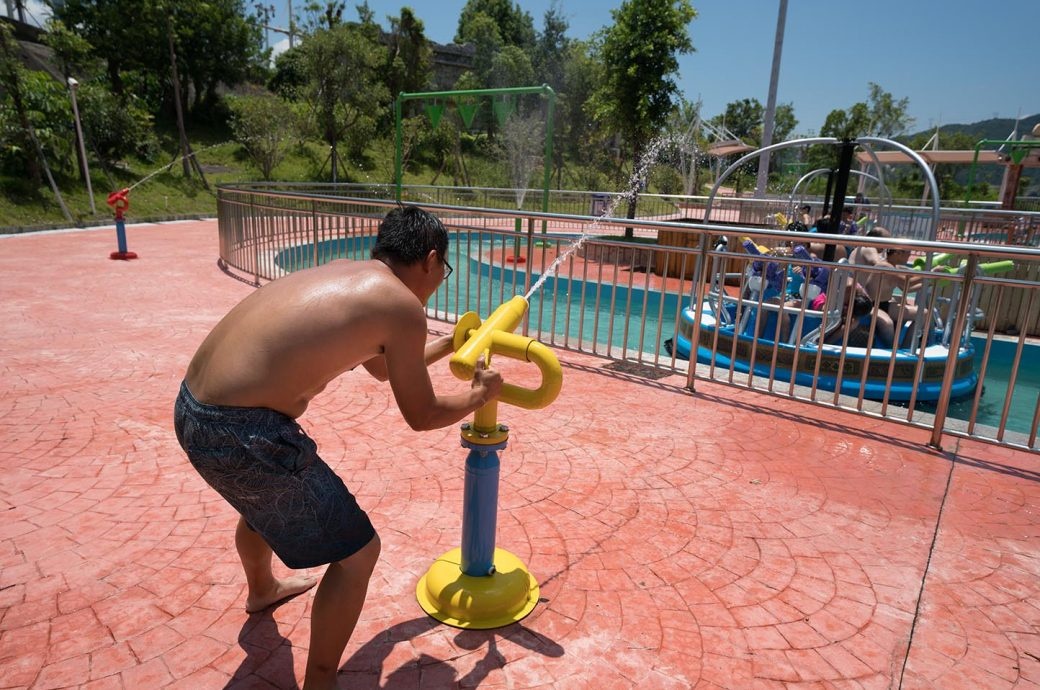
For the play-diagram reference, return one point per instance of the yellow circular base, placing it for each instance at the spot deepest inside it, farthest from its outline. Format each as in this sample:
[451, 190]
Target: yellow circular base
[477, 603]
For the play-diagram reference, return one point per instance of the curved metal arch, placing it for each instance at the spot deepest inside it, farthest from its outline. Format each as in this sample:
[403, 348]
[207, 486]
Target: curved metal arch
[885, 192]
[929, 176]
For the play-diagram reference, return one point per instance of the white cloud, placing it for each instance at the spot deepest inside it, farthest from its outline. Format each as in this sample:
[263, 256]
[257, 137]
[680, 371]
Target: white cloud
[279, 48]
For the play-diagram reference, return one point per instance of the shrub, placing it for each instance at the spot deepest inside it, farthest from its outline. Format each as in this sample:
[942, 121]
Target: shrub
[264, 125]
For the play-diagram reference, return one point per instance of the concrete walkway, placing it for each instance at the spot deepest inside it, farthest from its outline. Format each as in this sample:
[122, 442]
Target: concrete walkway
[714, 540]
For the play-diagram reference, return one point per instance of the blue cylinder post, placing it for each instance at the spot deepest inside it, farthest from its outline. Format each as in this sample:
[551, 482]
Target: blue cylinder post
[480, 509]
[121, 235]
[120, 202]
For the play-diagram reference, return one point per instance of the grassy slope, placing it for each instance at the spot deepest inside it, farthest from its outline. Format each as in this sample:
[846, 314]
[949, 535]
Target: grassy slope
[170, 194]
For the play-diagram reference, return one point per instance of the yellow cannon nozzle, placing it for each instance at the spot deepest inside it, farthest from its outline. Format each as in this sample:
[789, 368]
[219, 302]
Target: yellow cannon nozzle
[473, 338]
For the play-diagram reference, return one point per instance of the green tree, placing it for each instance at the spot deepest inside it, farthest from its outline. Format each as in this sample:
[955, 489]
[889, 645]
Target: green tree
[847, 124]
[74, 53]
[840, 124]
[409, 61]
[289, 79]
[577, 135]
[881, 116]
[511, 67]
[344, 91]
[323, 15]
[409, 55]
[513, 24]
[119, 43]
[114, 127]
[744, 119]
[888, 116]
[263, 125]
[784, 122]
[487, 41]
[17, 148]
[550, 54]
[639, 54]
[219, 43]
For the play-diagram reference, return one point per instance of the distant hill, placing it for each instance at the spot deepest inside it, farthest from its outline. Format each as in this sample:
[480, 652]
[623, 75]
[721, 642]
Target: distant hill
[994, 128]
[997, 128]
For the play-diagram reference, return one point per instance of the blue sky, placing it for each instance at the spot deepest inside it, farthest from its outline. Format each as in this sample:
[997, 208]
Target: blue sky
[958, 61]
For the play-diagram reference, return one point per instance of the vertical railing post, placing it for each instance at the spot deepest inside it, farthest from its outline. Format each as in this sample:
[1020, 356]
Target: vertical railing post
[255, 237]
[956, 340]
[700, 272]
[314, 228]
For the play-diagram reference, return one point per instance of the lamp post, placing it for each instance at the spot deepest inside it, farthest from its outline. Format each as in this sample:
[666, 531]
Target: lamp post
[73, 85]
[770, 113]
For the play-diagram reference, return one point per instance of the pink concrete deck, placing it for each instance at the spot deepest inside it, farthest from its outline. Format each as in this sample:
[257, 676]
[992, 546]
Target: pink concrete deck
[713, 540]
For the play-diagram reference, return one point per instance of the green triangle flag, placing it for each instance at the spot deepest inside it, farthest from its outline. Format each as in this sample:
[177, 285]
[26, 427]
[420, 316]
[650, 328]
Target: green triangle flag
[467, 111]
[434, 112]
[503, 109]
[1018, 154]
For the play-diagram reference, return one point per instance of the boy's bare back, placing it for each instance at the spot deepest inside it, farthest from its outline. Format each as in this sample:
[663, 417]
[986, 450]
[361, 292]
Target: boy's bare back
[283, 344]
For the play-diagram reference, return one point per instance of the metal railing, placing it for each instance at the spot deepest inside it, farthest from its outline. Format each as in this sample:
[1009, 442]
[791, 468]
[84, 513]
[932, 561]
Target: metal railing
[982, 225]
[624, 300]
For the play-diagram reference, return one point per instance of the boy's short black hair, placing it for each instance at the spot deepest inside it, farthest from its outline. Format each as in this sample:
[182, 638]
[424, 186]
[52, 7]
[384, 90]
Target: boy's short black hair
[861, 305]
[407, 234]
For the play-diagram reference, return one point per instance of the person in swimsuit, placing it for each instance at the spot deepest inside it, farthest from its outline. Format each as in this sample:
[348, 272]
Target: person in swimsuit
[881, 286]
[255, 374]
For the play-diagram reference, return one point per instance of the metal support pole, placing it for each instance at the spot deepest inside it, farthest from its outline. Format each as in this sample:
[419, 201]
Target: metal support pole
[700, 272]
[957, 338]
[770, 114]
[73, 86]
[480, 509]
[398, 153]
[547, 165]
[544, 89]
[841, 186]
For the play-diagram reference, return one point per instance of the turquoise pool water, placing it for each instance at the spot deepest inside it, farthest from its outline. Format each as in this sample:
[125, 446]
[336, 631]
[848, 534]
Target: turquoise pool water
[573, 309]
[569, 309]
[996, 382]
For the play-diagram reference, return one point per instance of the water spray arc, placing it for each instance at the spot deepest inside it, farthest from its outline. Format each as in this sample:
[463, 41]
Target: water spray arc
[479, 586]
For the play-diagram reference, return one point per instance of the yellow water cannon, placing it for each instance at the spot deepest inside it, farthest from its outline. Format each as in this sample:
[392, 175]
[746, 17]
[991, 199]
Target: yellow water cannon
[479, 586]
[473, 340]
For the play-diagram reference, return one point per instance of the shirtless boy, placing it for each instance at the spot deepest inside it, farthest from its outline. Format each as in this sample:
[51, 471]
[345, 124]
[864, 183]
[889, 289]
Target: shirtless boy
[255, 374]
[881, 286]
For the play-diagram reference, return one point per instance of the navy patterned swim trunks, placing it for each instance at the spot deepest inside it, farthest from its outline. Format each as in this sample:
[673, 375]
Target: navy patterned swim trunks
[268, 469]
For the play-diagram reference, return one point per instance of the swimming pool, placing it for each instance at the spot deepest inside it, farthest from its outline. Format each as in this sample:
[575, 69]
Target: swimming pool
[589, 315]
[996, 382]
[569, 312]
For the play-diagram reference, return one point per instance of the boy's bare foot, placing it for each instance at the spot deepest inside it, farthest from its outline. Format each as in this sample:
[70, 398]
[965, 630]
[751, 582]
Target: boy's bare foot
[283, 589]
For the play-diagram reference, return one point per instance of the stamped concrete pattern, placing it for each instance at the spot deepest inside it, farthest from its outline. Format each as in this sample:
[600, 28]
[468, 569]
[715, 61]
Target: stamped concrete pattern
[716, 539]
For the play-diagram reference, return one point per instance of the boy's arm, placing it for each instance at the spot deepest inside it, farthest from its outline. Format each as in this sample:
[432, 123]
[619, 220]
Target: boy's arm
[405, 357]
[435, 350]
